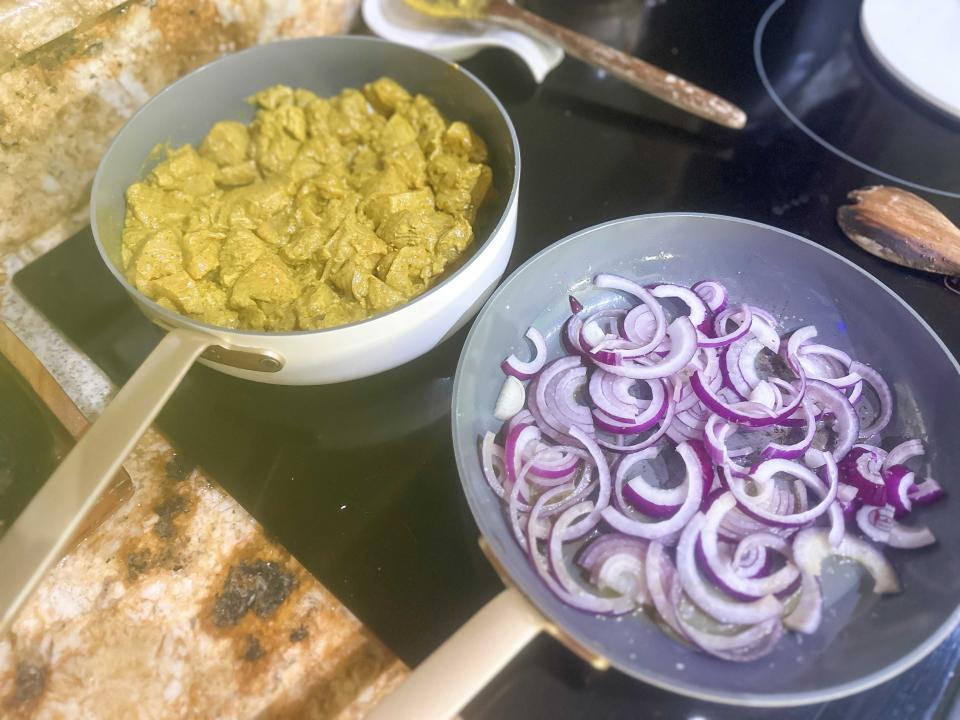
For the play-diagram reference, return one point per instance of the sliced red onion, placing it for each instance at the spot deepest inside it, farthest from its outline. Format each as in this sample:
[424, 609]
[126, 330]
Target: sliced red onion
[513, 447]
[616, 282]
[582, 527]
[572, 594]
[655, 412]
[740, 365]
[651, 439]
[638, 493]
[617, 563]
[812, 546]
[525, 370]
[555, 461]
[846, 422]
[697, 310]
[640, 327]
[764, 473]
[898, 479]
[591, 334]
[663, 584]
[709, 600]
[798, 338]
[910, 538]
[557, 482]
[683, 345]
[602, 389]
[715, 435]
[747, 645]
[797, 449]
[751, 557]
[658, 530]
[763, 394]
[763, 328]
[491, 458]
[719, 566]
[571, 333]
[875, 522]
[551, 417]
[749, 414]
[884, 396]
[846, 493]
[712, 293]
[808, 613]
[524, 417]
[926, 492]
[511, 400]
[855, 392]
[903, 452]
[861, 469]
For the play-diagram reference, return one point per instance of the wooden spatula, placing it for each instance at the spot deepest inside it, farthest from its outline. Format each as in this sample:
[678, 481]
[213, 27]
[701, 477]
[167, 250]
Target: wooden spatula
[661, 84]
[900, 227]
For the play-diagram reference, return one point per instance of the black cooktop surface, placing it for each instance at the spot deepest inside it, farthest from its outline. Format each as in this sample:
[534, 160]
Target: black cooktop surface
[358, 480]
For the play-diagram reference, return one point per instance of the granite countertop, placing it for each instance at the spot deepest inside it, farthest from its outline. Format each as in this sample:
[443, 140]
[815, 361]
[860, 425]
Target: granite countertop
[177, 605]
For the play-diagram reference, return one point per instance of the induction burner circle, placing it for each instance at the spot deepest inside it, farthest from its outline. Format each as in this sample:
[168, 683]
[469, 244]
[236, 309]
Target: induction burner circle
[817, 70]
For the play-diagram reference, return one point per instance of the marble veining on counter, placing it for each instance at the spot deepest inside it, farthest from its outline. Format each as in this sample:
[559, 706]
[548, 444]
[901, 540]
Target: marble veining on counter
[177, 605]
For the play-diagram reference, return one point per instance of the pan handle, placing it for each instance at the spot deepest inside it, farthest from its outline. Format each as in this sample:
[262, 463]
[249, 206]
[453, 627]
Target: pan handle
[461, 667]
[38, 537]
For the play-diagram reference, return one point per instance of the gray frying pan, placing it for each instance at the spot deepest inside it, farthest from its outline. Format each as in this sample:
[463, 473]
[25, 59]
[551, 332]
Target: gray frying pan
[864, 639]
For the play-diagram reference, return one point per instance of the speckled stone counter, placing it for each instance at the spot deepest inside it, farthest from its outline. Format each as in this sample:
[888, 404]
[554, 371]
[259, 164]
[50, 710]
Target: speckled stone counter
[177, 605]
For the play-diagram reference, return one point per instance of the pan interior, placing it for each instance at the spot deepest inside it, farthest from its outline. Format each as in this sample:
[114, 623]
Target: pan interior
[186, 110]
[864, 638]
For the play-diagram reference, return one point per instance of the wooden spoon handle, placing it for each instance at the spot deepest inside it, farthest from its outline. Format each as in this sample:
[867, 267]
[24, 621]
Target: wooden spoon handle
[649, 78]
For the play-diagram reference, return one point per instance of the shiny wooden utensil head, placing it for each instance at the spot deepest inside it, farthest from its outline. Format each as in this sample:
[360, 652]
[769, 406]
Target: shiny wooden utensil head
[900, 227]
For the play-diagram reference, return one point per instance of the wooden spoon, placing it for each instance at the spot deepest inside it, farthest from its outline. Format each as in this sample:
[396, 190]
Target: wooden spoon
[663, 85]
[900, 227]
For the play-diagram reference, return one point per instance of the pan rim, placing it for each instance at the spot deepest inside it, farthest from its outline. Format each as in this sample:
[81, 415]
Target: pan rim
[771, 700]
[256, 337]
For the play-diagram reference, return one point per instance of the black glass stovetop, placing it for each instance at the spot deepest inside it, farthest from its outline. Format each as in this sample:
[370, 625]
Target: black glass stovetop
[358, 480]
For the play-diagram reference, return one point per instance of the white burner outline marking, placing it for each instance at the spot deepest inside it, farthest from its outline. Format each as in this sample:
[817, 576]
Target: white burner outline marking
[768, 86]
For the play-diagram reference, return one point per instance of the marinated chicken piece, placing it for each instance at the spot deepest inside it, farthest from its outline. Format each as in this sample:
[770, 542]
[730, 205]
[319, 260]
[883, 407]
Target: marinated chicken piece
[242, 173]
[184, 171]
[157, 256]
[460, 139]
[267, 280]
[227, 144]
[240, 250]
[320, 212]
[386, 95]
[156, 208]
[352, 119]
[409, 162]
[351, 238]
[201, 252]
[460, 185]
[380, 207]
[427, 121]
[277, 229]
[381, 297]
[418, 225]
[410, 270]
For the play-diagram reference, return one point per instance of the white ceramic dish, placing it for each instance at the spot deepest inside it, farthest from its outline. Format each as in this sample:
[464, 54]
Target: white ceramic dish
[917, 43]
[393, 20]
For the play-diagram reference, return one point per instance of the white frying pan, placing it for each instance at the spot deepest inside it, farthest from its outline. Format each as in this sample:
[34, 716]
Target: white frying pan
[184, 113]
